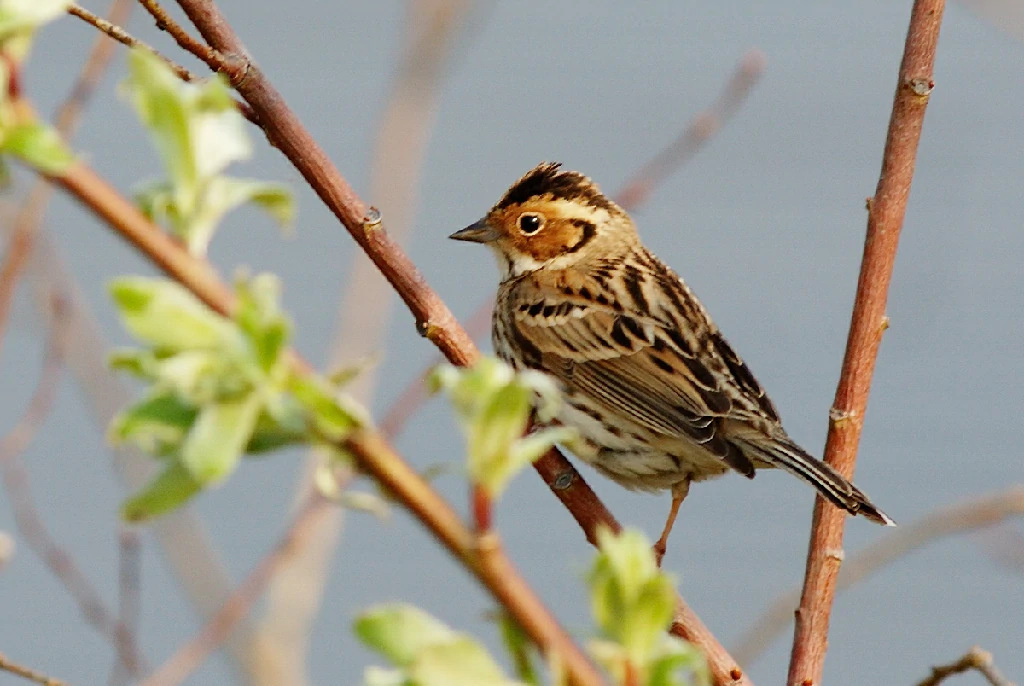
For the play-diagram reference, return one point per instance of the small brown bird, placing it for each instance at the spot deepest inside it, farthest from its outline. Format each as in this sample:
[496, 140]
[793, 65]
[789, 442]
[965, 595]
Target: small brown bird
[658, 395]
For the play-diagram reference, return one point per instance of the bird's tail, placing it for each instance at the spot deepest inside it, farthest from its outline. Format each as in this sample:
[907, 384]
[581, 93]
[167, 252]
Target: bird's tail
[787, 455]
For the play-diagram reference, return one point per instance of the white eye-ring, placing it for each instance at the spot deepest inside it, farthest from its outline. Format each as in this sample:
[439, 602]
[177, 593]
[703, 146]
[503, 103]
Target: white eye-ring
[530, 223]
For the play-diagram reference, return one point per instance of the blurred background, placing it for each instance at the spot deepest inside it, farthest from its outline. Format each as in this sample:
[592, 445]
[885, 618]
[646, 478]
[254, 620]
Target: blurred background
[431, 110]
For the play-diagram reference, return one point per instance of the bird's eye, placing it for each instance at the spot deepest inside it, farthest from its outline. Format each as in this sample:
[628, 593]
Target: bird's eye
[530, 223]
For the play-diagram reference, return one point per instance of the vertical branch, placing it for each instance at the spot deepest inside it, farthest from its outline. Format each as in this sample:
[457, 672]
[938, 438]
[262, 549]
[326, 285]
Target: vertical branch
[885, 219]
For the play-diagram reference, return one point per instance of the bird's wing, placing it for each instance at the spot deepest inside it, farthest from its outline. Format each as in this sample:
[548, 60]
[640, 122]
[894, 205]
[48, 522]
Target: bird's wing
[642, 367]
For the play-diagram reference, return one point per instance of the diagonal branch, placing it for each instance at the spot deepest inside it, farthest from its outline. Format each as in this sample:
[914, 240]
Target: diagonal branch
[373, 454]
[885, 219]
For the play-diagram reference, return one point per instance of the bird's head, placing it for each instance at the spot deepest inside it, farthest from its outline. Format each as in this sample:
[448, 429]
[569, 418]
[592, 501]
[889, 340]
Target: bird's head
[550, 219]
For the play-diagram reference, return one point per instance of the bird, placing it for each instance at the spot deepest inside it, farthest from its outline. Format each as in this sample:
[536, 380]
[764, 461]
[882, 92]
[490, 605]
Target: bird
[658, 396]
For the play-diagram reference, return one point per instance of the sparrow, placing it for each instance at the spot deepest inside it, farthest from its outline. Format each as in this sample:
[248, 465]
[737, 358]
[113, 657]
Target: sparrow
[658, 396]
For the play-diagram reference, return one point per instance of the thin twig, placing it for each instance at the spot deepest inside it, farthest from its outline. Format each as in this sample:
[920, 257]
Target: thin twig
[113, 29]
[32, 675]
[702, 128]
[975, 659]
[203, 52]
[129, 600]
[26, 515]
[885, 219]
[633, 194]
[977, 513]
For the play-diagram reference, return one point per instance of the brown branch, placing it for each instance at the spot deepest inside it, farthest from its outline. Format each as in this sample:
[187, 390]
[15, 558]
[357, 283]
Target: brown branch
[633, 194]
[379, 461]
[977, 513]
[975, 659]
[28, 673]
[885, 219]
[26, 515]
[203, 52]
[113, 29]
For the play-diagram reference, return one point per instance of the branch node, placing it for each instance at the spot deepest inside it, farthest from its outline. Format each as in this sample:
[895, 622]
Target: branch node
[883, 325]
[869, 202]
[426, 329]
[735, 674]
[838, 417]
[837, 554]
[564, 480]
[921, 87]
[372, 221]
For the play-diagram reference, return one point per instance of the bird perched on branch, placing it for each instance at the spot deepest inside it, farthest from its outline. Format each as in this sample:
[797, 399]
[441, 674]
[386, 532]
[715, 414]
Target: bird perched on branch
[659, 397]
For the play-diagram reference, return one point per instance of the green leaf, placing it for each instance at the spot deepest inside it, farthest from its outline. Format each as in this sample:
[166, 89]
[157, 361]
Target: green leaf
[24, 16]
[214, 446]
[399, 631]
[459, 662]
[680, 664]
[632, 600]
[163, 314]
[378, 676]
[171, 489]
[157, 424]
[520, 649]
[158, 97]
[270, 434]
[39, 146]
[326, 413]
[261, 320]
[223, 194]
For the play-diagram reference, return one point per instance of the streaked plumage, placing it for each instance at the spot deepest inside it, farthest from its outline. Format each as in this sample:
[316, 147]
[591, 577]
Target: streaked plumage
[657, 393]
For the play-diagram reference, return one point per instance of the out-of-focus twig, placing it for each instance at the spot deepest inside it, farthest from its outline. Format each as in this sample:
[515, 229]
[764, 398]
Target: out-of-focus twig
[182, 535]
[977, 513]
[432, 27]
[868, 322]
[26, 514]
[1008, 15]
[28, 673]
[633, 194]
[129, 599]
[416, 393]
[220, 625]
[701, 129]
[975, 659]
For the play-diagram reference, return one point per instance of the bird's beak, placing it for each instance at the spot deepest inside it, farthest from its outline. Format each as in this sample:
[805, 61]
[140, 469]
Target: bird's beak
[477, 232]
